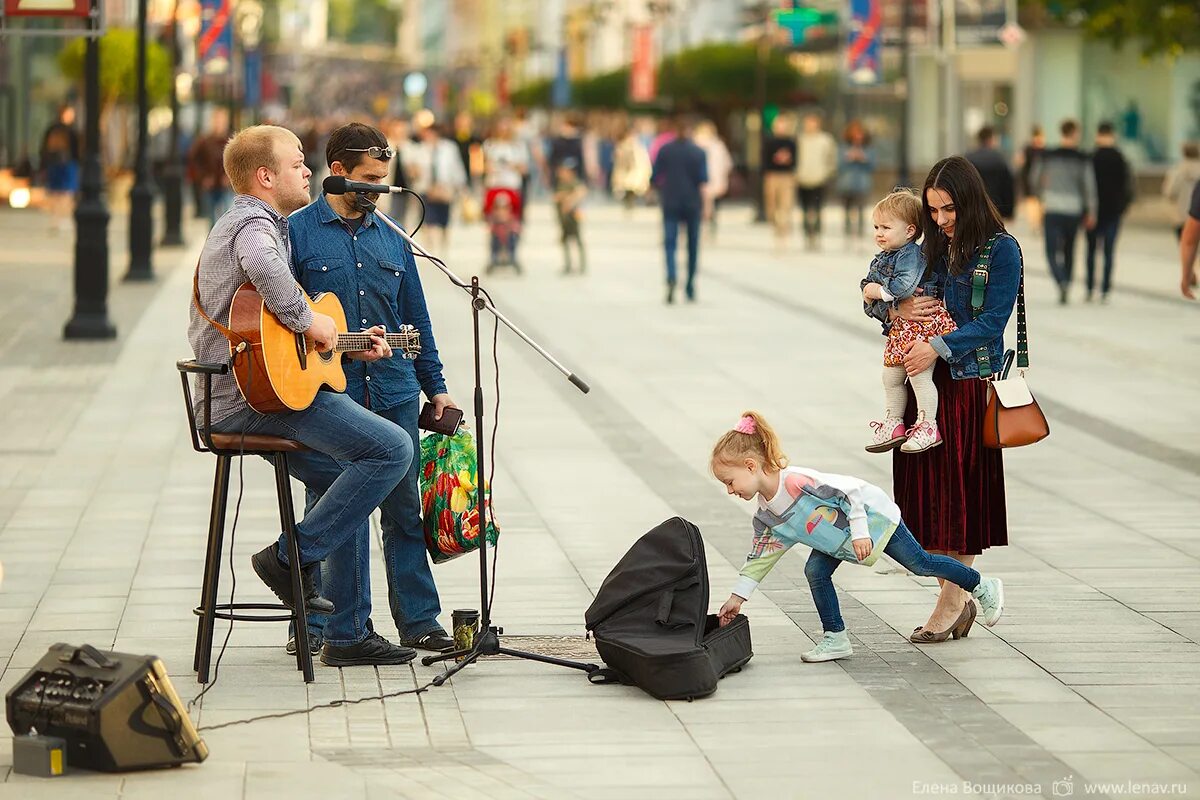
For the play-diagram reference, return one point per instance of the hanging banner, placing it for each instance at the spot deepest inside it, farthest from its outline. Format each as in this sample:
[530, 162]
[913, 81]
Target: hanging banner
[863, 67]
[643, 81]
[214, 47]
[47, 8]
[252, 78]
[560, 93]
[502, 89]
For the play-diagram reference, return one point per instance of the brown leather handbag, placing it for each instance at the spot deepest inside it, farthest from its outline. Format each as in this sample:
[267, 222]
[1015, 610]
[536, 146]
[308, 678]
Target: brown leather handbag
[1013, 417]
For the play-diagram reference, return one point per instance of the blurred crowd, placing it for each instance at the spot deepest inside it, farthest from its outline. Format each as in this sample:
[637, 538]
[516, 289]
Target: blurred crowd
[468, 171]
[487, 171]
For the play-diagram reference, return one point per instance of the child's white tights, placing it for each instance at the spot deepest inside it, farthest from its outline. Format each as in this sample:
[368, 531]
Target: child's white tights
[923, 389]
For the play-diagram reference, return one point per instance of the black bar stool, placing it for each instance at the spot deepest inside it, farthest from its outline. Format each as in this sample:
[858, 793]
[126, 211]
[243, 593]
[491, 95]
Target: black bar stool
[227, 446]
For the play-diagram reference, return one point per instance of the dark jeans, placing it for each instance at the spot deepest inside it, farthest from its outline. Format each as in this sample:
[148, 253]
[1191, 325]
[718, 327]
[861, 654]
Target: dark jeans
[504, 248]
[905, 550]
[672, 219]
[811, 200]
[355, 460]
[854, 203]
[216, 203]
[1060, 230]
[1105, 234]
[412, 593]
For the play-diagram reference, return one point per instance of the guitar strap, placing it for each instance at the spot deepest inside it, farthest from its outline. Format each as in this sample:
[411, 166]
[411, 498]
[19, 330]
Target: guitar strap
[239, 343]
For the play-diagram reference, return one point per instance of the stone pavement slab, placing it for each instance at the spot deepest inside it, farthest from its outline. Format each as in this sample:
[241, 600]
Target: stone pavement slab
[1090, 677]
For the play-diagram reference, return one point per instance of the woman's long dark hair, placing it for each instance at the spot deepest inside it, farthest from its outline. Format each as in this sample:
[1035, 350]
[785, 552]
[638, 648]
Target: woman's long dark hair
[976, 217]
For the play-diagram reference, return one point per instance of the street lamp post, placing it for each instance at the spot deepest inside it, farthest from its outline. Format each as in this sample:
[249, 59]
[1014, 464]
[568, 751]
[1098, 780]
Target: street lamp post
[762, 13]
[141, 197]
[90, 318]
[902, 166]
[173, 173]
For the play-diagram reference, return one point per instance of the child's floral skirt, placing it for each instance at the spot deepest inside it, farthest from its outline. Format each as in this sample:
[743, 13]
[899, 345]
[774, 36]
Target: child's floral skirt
[905, 331]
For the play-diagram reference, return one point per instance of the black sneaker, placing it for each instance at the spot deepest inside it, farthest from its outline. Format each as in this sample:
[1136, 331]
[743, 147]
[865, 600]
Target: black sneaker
[314, 645]
[371, 651]
[278, 578]
[436, 641]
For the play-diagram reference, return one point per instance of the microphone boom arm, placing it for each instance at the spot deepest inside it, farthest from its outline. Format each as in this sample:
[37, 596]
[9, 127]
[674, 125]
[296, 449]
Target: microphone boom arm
[481, 301]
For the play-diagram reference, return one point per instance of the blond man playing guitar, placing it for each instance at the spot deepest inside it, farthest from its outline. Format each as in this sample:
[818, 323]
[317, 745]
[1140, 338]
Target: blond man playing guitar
[355, 458]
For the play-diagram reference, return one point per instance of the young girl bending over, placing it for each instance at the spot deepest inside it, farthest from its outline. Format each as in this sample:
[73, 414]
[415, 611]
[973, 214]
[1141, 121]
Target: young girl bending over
[896, 273]
[842, 519]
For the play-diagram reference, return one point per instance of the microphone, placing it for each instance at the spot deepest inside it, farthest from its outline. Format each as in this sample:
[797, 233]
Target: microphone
[337, 184]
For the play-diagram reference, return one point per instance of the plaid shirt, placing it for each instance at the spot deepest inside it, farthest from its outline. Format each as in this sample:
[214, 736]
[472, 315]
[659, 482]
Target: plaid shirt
[249, 243]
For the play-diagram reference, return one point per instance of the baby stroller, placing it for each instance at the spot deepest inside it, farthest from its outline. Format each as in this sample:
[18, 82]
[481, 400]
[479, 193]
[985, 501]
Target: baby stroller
[502, 210]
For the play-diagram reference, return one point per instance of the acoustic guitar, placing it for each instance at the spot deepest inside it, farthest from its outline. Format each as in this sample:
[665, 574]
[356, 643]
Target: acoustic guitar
[281, 370]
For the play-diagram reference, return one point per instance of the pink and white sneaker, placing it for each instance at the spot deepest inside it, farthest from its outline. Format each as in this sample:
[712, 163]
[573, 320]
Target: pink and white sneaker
[889, 432]
[921, 437]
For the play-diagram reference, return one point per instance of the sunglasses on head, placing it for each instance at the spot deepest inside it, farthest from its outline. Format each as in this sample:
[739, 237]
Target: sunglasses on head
[373, 152]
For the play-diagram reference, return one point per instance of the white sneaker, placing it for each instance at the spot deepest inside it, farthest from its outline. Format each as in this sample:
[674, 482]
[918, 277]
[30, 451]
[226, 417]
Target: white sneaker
[830, 648]
[889, 432]
[921, 437]
[990, 594]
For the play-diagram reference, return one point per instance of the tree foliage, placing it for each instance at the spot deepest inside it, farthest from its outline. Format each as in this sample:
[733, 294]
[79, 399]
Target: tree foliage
[363, 21]
[118, 67]
[723, 76]
[606, 90]
[712, 77]
[1161, 27]
[535, 94]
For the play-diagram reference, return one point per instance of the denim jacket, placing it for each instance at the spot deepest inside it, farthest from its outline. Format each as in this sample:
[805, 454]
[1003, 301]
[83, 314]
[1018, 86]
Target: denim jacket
[374, 275]
[1004, 276]
[899, 272]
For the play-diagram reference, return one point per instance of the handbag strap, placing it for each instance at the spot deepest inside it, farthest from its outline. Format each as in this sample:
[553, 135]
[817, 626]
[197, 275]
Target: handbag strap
[1022, 329]
[979, 280]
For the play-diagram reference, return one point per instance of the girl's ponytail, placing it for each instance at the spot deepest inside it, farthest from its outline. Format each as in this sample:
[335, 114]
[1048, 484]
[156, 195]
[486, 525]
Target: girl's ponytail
[751, 436]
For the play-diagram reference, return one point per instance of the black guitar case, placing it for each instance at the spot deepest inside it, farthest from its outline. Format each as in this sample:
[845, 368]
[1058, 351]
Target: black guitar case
[651, 621]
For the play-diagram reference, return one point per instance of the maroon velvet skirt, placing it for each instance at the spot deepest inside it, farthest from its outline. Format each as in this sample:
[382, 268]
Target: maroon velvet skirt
[952, 497]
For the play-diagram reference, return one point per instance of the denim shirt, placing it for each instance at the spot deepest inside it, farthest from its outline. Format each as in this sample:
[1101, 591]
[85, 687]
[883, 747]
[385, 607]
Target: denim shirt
[1004, 276]
[899, 272]
[374, 275]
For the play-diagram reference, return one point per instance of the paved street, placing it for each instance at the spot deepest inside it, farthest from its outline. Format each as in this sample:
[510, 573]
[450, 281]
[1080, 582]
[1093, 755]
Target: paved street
[1089, 685]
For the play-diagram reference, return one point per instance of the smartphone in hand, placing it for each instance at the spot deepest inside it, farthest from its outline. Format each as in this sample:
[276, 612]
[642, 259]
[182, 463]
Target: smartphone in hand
[448, 425]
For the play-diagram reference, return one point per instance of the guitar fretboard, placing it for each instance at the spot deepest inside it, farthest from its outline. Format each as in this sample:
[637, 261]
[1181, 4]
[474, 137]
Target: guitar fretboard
[356, 342]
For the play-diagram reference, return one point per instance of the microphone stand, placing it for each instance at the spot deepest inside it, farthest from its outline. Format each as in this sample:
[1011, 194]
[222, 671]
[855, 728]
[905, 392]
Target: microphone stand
[487, 641]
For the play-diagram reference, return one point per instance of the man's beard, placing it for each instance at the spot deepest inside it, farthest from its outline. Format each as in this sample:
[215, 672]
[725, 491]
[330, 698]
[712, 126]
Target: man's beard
[298, 201]
[356, 201]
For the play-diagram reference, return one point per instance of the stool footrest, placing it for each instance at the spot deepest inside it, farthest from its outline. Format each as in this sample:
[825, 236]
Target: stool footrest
[225, 611]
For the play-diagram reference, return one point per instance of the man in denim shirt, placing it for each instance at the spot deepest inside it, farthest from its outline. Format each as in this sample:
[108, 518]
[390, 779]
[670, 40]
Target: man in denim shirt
[337, 248]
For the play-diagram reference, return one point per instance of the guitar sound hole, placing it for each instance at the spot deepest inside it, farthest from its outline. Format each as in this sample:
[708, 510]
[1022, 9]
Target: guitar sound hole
[326, 357]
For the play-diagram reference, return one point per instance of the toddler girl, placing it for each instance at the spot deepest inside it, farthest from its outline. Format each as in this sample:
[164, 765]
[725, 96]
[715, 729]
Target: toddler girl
[895, 274]
[842, 519]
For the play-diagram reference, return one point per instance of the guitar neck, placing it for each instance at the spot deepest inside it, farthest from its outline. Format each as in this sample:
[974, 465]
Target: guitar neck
[357, 342]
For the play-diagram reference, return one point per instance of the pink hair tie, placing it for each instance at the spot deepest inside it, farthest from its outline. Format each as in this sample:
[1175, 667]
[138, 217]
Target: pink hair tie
[746, 425]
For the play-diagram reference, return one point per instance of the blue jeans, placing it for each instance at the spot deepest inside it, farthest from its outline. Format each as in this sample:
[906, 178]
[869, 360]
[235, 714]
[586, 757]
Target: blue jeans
[355, 460]
[672, 219]
[902, 548]
[1060, 231]
[1104, 234]
[504, 247]
[412, 594]
[218, 201]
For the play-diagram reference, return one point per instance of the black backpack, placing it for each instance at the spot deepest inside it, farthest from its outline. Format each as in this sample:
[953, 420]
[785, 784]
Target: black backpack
[651, 621]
